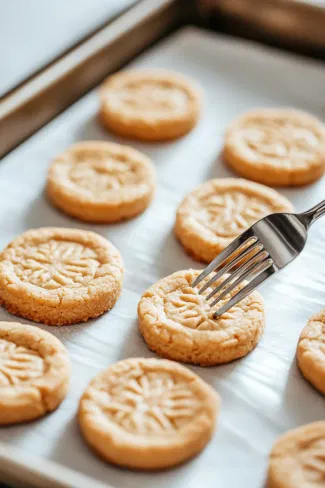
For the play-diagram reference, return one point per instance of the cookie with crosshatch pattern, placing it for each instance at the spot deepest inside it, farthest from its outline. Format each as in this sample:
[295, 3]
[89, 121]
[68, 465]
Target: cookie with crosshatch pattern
[150, 105]
[297, 459]
[102, 182]
[34, 372]
[60, 276]
[148, 413]
[311, 351]
[219, 210]
[177, 322]
[277, 147]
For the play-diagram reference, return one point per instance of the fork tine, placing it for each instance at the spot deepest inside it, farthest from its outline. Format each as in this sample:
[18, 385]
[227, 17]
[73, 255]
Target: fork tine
[265, 272]
[237, 243]
[253, 266]
[231, 264]
[257, 259]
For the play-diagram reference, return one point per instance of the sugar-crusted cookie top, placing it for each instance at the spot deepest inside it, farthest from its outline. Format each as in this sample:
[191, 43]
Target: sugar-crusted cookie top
[54, 259]
[277, 137]
[34, 372]
[185, 306]
[298, 457]
[146, 397]
[174, 302]
[102, 172]
[156, 94]
[151, 95]
[18, 364]
[60, 276]
[28, 355]
[177, 322]
[54, 264]
[148, 413]
[229, 212]
[227, 207]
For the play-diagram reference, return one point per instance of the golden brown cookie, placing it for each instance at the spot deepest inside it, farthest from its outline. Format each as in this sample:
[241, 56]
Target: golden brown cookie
[219, 210]
[34, 372]
[60, 276]
[103, 182]
[297, 459]
[177, 323]
[148, 413]
[277, 147]
[154, 105]
[311, 351]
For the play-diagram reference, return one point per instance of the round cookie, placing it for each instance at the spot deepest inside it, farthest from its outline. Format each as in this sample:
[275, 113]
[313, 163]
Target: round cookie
[148, 413]
[297, 459]
[60, 276]
[101, 182]
[177, 323]
[277, 147]
[34, 372]
[219, 210]
[311, 351]
[154, 105]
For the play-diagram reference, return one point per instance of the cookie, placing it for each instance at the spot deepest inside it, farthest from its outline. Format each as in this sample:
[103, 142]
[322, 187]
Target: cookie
[34, 372]
[219, 210]
[177, 323]
[277, 147]
[311, 351]
[154, 105]
[297, 459]
[101, 182]
[148, 413]
[60, 276]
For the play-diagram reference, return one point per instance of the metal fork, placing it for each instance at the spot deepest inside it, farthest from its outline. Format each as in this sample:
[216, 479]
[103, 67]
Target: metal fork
[265, 248]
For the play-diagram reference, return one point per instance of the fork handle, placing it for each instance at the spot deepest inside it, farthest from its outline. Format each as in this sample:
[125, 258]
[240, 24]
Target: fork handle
[315, 213]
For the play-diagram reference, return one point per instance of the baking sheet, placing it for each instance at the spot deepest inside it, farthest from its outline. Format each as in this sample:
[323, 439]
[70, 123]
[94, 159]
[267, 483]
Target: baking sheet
[263, 394]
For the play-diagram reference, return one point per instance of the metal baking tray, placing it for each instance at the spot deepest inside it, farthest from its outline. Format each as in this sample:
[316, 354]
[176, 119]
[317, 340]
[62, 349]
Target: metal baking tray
[263, 395]
[298, 25]
[60, 26]
[43, 96]
[289, 24]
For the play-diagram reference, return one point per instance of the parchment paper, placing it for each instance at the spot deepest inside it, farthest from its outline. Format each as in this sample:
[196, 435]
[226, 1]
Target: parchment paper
[263, 394]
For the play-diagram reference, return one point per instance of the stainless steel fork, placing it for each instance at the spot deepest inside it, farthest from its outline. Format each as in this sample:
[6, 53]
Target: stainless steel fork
[262, 250]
